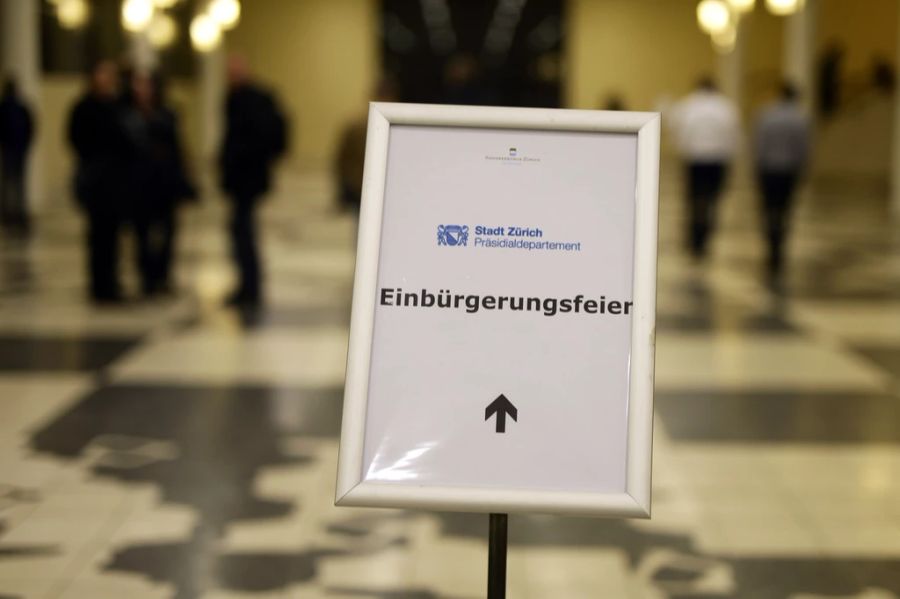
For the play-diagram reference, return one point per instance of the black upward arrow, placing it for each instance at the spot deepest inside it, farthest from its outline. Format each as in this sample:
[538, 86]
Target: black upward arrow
[501, 407]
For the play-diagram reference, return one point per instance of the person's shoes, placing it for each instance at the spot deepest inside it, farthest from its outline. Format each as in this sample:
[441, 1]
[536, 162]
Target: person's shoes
[107, 299]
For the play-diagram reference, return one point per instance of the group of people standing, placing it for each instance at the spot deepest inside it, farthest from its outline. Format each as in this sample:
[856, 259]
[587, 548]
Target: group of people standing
[707, 128]
[131, 173]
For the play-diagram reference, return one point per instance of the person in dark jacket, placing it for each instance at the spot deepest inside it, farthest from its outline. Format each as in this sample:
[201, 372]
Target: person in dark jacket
[156, 181]
[101, 147]
[16, 133]
[254, 137]
[781, 149]
[829, 80]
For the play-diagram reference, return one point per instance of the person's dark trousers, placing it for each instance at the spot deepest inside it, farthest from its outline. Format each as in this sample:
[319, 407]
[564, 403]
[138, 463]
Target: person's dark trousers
[103, 254]
[154, 237]
[777, 189]
[704, 185]
[146, 253]
[244, 249]
[166, 230]
[13, 208]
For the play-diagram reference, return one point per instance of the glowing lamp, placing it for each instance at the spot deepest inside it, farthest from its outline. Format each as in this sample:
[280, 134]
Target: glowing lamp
[162, 31]
[784, 7]
[205, 33]
[136, 14]
[72, 14]
[226, 13]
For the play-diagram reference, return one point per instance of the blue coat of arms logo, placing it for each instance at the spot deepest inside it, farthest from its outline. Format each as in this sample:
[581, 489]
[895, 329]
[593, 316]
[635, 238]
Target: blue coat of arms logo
[453, 234]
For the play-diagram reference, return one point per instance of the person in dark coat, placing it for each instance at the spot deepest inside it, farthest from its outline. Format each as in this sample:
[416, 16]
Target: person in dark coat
[101, 147]
[781, 151]
[16, 133]
[829, 80]
[255, 136]
[156, 181]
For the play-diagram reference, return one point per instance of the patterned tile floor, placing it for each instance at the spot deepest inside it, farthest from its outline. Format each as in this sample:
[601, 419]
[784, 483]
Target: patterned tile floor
[173, 450]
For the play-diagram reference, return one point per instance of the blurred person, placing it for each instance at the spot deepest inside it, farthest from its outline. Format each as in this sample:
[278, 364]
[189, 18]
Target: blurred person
[707, 132]
[830, 79]
[781, 151]
[255, 136]
[157, 179]
[16, 134]
[351, 154]
[97, 136]
[883, 77]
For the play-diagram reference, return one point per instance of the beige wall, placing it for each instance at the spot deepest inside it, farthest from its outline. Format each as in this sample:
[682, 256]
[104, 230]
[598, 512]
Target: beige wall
[648, 49]
[643, 49]
[321, 56]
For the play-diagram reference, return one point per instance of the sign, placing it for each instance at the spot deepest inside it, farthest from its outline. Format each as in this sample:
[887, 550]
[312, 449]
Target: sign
[501, 344]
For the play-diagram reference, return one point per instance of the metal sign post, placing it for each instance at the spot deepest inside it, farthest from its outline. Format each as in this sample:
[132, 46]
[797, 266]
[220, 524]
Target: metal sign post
[497, 557]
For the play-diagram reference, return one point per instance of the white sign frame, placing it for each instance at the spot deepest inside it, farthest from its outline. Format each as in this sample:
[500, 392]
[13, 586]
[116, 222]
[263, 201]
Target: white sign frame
[352, 489]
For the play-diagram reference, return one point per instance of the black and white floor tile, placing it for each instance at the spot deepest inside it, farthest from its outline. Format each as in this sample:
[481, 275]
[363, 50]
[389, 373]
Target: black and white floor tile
[176, 449]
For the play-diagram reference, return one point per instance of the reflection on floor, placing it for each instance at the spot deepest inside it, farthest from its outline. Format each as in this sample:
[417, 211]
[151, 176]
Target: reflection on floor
[174, 449]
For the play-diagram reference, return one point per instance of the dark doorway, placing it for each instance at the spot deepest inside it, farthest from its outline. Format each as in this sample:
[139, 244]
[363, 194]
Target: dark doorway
[498, 52]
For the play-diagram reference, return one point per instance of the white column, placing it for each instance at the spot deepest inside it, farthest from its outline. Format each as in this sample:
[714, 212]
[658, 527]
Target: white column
[143, 55]
[731, 69]
[799, 50]
[211, 92]
[20, 52]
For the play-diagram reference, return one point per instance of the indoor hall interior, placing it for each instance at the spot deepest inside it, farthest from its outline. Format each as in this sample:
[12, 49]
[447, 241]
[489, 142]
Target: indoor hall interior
[177, 446]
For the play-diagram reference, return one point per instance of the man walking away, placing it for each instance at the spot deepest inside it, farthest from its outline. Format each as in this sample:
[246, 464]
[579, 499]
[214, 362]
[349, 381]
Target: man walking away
[16, 133]
[255, 135]
[97, 136]
[706, 128]
[781, 148]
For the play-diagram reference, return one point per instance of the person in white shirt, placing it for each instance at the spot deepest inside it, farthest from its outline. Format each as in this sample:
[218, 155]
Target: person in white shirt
[706, 126]
[781, 150]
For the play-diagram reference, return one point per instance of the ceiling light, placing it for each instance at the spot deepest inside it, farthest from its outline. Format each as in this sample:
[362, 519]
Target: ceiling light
[227, 13]
[162, 30]
[136, 14]
[73, 14]
[205, 33]
[713, 15]
[784, 7]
